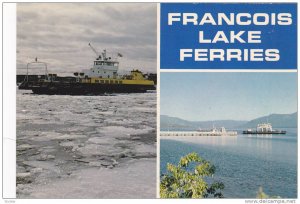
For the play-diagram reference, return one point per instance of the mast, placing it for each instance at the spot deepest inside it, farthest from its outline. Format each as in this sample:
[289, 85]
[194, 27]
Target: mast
[36, 62]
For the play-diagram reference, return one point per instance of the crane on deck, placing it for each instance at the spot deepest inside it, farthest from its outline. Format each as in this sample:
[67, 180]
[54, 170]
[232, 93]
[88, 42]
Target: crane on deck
[99, 56]
[103, 54]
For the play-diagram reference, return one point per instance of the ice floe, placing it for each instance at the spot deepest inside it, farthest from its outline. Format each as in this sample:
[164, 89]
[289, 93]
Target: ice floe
[86, 146]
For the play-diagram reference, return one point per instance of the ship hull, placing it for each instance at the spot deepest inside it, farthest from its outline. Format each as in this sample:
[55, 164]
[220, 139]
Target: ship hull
[88, 89]
[279, 132]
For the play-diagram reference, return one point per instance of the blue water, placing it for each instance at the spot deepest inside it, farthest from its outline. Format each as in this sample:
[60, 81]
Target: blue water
[243, 163]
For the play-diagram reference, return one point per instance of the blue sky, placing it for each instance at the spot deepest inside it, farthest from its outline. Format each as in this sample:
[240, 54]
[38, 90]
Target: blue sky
[220, 96]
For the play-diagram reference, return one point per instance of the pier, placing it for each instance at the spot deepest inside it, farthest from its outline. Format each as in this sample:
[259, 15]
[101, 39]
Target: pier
[213, 132]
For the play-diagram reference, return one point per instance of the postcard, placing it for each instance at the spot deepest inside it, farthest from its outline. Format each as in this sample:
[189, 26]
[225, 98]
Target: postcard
[143, 100]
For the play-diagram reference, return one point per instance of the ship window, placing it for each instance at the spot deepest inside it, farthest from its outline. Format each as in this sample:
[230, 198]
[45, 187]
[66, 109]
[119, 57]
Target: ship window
[108, 63]
[102, 81]
[111, 81]
[96, 81]
[116, 82]
[120, 82]
[106, 81]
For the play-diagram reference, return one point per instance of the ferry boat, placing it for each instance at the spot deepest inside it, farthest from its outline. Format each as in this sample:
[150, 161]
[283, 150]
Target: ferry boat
[264, 128]
[214, 132]
[101, 78]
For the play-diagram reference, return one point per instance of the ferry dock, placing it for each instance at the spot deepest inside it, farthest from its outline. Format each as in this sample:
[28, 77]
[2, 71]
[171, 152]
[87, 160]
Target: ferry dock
[213, 132]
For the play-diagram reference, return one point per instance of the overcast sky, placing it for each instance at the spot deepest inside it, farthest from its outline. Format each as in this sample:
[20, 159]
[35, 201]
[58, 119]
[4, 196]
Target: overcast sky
[59, 34]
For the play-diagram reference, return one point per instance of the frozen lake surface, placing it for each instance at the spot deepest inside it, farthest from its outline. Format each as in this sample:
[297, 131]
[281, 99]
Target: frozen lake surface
[86, 146]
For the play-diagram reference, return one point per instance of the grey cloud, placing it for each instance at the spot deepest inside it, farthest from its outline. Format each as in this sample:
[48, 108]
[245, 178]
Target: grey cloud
[60, 33]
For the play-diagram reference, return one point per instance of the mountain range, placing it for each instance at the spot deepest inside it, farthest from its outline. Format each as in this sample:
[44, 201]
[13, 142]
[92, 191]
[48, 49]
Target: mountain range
[277, 121]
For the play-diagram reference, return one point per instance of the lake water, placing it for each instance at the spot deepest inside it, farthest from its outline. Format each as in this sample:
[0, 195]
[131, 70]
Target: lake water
[243, 163]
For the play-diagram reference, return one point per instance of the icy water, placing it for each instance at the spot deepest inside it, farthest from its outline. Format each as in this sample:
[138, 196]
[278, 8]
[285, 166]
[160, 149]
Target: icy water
[243, 163]
[86, 146]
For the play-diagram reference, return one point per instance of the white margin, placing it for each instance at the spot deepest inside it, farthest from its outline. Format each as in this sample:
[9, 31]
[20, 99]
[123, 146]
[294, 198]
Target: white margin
[158, 103]
[9, 100]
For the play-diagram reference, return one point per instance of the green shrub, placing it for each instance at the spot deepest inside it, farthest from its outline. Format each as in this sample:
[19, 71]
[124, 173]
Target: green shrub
[181, 183]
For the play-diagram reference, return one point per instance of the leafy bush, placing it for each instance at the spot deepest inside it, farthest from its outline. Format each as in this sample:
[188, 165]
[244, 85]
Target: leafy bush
[262, 195]
[179, 182]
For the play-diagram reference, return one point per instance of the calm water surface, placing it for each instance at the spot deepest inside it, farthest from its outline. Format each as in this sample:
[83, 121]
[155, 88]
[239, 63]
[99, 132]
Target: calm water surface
[244, 163]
